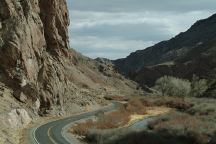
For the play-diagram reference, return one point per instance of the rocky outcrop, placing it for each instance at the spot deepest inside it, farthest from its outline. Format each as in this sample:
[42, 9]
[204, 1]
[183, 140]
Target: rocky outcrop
[54, 16]
[16, 119]
[33, 37]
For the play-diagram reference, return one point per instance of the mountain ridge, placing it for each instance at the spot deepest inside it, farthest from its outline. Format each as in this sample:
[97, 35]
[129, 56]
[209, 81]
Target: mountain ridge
[190, 52]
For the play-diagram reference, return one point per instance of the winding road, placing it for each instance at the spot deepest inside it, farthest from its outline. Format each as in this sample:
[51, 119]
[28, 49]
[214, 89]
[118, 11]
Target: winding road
[51, 133]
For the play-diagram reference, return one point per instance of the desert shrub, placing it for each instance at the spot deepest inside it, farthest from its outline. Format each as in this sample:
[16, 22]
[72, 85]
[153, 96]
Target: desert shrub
[113, 120]
[172, 86]
[204, 107]
[82, 129]
[182, 125]
[186, 121]
[135, 106]
[174, 102]
[198, 86]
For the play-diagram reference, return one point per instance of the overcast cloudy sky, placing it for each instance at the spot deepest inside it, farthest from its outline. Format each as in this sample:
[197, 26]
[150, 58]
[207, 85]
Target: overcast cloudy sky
[115, 28]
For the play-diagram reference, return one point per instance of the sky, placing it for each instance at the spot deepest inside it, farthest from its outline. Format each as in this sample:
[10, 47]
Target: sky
[115, 28]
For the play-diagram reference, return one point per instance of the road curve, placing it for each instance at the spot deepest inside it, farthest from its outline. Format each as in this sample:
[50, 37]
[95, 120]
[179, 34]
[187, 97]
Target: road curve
[51, 133]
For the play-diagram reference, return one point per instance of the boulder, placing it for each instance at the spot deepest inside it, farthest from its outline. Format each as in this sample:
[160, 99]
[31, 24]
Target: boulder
[16, 119]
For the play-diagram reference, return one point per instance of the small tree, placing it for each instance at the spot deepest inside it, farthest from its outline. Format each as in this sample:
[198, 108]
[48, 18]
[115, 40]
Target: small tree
[162, 85]
[198, 86]
[172, 86]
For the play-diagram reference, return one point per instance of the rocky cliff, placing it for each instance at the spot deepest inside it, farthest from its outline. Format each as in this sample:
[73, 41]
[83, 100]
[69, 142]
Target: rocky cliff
[37, 64]
[190, 52]
[34, 39]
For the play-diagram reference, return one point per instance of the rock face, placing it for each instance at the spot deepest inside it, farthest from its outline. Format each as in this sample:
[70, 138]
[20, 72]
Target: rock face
[16, 119]
[33, 38]
[54, 16]
[191, 52]
[36, 61]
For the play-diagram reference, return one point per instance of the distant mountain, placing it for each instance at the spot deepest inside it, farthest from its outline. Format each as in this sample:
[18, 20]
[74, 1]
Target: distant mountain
[190, 52]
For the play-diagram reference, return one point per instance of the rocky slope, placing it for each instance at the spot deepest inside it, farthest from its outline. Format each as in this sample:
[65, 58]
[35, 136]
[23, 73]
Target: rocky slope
[37, 64]
[190, 52]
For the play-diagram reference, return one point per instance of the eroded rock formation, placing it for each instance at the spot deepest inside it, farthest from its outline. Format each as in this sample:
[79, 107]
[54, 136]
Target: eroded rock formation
[33, 36]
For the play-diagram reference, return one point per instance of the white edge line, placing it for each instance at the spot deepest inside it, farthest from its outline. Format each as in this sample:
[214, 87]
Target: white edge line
[34, 137]
[65, 129]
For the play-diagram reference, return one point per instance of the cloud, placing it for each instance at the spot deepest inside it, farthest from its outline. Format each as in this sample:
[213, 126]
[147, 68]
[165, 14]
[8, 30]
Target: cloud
[140, 5]
[83, 19]
[113, 47]
[115, 28]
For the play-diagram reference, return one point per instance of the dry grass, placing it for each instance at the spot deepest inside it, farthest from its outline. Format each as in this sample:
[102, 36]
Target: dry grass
[187, 121]
[135, 109]
[183, 125]
[82, 128]
[171, 102]
[114, 119]
[134, 106]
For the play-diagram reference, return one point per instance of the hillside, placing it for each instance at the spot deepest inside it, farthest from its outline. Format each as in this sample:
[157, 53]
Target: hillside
[190, 52]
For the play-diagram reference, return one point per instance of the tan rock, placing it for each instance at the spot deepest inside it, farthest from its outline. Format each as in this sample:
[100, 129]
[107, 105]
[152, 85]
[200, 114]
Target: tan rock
[32, 34]
[16, 119]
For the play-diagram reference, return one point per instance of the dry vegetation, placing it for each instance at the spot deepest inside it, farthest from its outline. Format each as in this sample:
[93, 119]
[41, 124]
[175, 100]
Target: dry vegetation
[183, 125]
[174, 102]
[122, 116]
[111, 120]
[189, 121]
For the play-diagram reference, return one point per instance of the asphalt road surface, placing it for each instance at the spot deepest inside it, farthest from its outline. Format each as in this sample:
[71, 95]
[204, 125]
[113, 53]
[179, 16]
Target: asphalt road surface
[51, 133]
